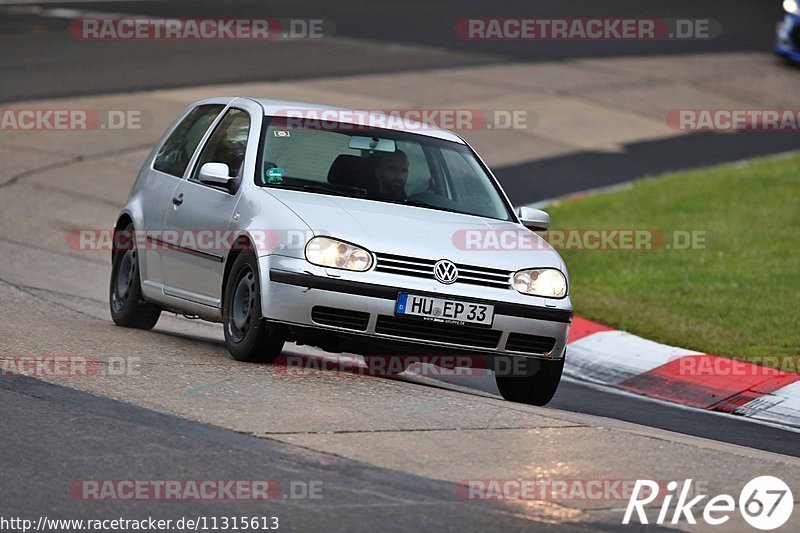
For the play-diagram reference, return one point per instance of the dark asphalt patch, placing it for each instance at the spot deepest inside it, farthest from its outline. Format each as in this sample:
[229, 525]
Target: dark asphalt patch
[557, 176]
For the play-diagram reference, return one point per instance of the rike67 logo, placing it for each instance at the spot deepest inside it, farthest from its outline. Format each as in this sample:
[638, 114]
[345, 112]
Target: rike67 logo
[765, 503]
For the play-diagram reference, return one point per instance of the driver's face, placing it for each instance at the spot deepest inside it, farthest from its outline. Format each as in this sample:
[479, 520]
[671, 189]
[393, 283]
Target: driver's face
[392, 174]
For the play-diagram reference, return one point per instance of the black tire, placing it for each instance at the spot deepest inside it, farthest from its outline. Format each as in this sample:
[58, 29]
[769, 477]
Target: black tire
[248, 336]
[537, 388]
[128, 307]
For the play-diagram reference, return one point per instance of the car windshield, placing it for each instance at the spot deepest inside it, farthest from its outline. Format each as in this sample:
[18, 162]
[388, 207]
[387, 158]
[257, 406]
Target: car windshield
[380, 165]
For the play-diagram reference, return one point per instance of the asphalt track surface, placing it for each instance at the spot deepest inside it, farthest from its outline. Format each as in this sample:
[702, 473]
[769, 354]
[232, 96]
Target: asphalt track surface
[42, 44]
[379, 36]
[53, 435]
[353, 491]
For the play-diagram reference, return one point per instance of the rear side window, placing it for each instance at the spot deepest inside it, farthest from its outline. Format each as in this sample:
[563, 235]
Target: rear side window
[174, 155]
[227, 144]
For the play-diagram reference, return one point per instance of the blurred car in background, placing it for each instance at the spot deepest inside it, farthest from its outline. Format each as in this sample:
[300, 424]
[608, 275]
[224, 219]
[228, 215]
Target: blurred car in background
[787, 32]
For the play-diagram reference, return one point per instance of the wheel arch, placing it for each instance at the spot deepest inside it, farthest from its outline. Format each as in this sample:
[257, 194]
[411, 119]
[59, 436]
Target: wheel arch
[123, 221]
[242, 243]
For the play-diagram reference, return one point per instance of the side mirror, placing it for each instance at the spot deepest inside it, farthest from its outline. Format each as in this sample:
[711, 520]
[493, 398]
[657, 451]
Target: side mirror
[215, 174]
[534, 219]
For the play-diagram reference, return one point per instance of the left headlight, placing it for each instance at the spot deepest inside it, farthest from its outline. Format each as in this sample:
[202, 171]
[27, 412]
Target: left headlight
[791, 7]
[333, 253]
[547, 282]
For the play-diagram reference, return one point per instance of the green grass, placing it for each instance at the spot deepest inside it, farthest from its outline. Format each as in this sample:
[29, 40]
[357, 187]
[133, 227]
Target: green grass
[739, 297]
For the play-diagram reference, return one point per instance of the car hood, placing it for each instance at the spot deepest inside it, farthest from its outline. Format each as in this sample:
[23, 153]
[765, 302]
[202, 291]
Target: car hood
[420, 232]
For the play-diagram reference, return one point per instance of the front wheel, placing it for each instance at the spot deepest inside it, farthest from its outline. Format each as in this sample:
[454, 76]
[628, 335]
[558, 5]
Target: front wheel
[128, 308]
[537, 388]
[248, 336]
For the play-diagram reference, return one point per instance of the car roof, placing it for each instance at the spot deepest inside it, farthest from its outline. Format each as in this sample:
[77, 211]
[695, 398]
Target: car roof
[377, 119]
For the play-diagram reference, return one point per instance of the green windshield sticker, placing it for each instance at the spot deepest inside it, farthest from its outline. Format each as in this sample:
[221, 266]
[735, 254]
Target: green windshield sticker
[275, 175]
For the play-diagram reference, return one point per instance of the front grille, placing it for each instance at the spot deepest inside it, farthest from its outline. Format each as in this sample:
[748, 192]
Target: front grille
[429, 331]
[341, 318]
[519, 342]
[423, 268]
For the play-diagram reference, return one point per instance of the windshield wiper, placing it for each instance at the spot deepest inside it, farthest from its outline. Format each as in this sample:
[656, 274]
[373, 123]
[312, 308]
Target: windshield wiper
[325, 190]
[420, 203]
[322, 189]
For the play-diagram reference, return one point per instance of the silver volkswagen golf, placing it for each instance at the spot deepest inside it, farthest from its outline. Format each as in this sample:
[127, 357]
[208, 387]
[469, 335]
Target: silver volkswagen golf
[344, 230]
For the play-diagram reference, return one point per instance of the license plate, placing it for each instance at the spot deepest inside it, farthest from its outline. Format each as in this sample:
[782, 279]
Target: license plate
[444, 311]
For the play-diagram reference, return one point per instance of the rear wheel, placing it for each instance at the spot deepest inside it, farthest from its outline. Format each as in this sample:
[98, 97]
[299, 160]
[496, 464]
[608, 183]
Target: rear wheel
[536, 388]
[128, 308]
[248, 336]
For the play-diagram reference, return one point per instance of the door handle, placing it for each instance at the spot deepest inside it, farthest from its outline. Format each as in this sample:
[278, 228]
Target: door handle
[177, 200]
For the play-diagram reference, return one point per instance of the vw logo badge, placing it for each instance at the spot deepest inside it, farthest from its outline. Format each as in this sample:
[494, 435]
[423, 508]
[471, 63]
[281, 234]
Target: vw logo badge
[445, 272]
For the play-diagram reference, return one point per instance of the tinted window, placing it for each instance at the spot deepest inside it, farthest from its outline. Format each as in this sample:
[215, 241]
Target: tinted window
[306, 153]
[419, 174]
[417, 169]
[174, 155]
[228, 143]
[470, 187]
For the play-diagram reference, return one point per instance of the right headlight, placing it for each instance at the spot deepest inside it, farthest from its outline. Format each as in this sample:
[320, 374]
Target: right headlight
[546, 282]
[333, 253]
[791, 7]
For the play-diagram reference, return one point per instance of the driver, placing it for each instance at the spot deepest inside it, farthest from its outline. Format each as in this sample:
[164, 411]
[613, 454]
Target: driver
[391, 172]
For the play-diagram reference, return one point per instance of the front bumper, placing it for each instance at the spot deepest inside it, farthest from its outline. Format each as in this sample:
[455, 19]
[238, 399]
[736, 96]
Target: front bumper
[292, 288]
[787, 37]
